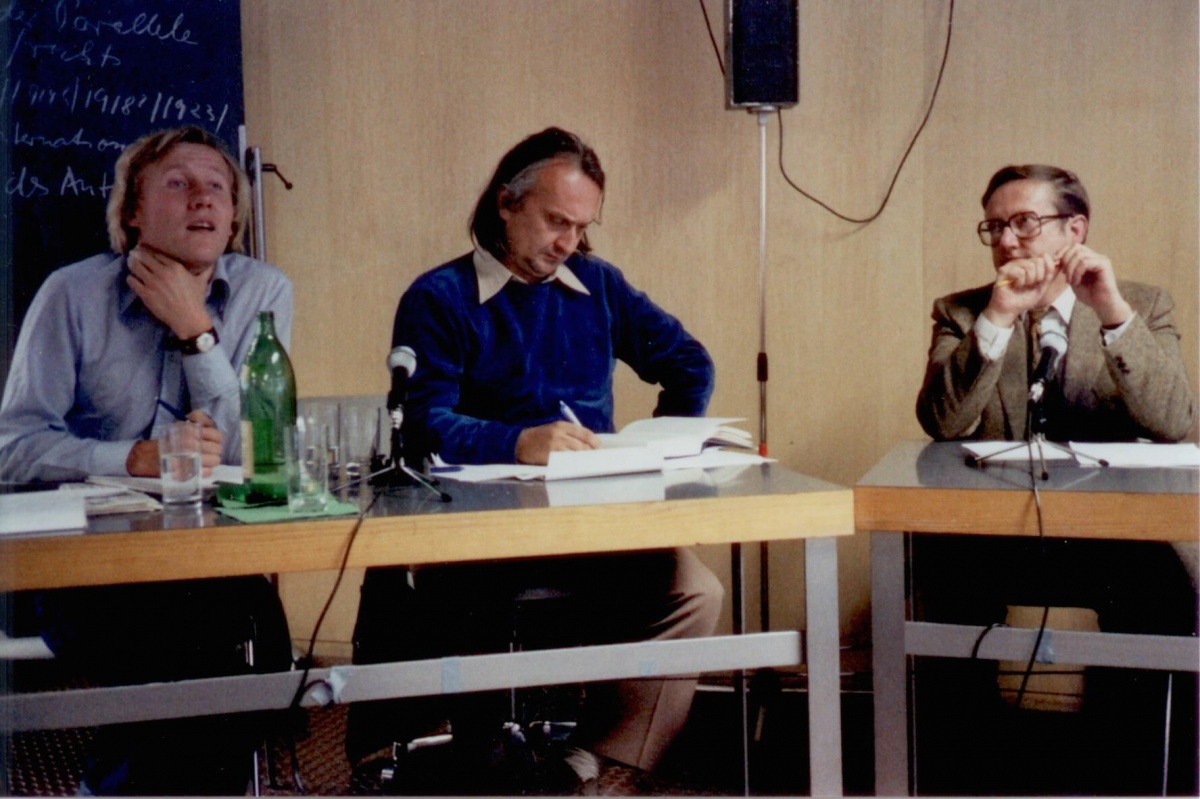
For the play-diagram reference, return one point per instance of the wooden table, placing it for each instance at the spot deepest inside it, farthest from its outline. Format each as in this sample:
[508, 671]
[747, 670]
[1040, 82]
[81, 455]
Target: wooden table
[483, 521]
[922, 487]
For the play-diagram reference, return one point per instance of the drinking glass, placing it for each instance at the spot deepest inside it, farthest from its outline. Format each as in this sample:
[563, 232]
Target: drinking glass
[359, 439]
[307, 465]
[328, 413]
[179, 462]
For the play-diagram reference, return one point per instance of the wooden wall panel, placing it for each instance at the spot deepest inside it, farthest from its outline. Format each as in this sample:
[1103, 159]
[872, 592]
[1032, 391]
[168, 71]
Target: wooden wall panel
[389, 115]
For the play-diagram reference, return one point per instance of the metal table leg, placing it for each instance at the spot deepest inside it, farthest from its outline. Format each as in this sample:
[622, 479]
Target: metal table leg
[889, 664]
[822, 656]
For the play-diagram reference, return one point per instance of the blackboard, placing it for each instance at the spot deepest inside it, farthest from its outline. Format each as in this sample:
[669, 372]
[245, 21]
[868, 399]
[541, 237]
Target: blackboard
[81, 80]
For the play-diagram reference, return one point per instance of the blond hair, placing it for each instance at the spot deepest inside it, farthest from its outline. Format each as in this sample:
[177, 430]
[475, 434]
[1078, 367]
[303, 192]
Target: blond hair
[150, 149]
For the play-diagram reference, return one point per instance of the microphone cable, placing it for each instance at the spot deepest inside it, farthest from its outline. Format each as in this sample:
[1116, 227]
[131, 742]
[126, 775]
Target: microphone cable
[305, 686]
[903, 160]
[1041, 579]
[712, 38]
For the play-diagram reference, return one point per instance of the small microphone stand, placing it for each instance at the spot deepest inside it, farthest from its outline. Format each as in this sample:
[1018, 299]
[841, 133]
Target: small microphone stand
[394, 472]
[1037, 437]
[388, 472]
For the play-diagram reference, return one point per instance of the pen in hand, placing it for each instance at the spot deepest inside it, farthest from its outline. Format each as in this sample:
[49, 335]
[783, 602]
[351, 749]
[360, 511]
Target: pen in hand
[1057, 266]
[569, 414]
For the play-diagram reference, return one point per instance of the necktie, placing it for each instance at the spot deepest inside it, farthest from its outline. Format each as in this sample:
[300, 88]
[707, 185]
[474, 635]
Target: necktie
[1035, 335]
[172, 390]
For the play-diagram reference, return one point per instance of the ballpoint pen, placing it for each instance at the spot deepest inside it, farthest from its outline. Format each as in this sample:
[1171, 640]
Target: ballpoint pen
[569, 414]
[178, 414]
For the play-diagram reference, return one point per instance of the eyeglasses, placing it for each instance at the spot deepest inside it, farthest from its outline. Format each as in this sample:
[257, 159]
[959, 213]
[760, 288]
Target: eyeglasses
[1025, 225]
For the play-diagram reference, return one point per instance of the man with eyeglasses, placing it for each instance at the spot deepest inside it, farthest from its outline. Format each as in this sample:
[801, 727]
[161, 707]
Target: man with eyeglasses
[1120, 378]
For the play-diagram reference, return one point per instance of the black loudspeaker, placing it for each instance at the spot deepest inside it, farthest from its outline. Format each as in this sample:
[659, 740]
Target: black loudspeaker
[762, 53]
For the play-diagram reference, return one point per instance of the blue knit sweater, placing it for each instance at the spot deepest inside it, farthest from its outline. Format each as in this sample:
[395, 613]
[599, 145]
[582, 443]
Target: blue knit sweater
[486, 372]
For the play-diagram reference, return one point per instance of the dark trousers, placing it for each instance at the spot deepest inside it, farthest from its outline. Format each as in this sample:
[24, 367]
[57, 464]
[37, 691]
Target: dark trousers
[1134, 587]
[152, 632]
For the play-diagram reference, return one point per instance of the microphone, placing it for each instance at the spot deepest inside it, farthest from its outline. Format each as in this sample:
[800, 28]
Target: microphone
[1054, 346]
[402, 363]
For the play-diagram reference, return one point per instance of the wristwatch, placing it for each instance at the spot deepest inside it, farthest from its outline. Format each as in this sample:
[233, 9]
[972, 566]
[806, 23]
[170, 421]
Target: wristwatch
[201, 343]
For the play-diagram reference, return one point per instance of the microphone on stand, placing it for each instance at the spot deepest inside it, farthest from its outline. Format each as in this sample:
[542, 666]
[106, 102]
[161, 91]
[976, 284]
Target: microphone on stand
[1054, 345]
[402, 363]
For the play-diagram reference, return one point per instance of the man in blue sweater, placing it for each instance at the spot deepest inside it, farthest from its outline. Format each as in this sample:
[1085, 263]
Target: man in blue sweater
[503, 335]
[530, 318]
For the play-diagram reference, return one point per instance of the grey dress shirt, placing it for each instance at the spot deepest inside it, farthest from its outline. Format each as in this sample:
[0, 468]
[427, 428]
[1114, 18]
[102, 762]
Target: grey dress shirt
[91, 364]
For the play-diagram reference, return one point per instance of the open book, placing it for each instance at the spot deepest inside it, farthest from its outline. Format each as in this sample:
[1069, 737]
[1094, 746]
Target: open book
[679, 436]
[660, 444]
[571, 464]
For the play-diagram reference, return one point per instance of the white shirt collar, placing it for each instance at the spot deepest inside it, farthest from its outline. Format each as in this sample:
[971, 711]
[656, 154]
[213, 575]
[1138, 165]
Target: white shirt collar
[1065, 304]
[494, 276]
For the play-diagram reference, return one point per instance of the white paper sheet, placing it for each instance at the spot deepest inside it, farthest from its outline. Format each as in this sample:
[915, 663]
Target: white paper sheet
[1122, 455]
[101, 500]
[1140, 456]
[41, 511]
[223, 473]
[594, 463]
[562, 466]
[650, 487]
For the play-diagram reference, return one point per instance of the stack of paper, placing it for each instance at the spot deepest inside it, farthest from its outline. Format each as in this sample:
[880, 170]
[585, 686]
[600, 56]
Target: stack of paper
[41, 511]
[224, 473]
[104, 500]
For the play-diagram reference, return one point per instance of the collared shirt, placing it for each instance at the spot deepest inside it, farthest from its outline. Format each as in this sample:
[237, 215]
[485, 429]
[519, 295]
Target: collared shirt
[993, 340]
[90, 366]
[493, 275]
[496, 355]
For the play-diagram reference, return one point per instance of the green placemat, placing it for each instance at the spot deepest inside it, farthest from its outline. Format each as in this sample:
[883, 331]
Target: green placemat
[281, 513]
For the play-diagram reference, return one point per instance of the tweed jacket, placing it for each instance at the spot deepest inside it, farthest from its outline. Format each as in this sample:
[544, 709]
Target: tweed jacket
[1136, 388]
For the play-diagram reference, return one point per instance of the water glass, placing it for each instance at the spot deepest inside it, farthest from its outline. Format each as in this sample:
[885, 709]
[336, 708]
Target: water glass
[183, 517]
[327, 412]
[179, 461]
[307, 465]
[361, 426]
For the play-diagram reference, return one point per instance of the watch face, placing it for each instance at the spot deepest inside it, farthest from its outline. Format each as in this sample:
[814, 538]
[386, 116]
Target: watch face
[205, 342]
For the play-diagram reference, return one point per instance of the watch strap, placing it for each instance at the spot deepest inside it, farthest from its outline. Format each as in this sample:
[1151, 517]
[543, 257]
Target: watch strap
[191, 346]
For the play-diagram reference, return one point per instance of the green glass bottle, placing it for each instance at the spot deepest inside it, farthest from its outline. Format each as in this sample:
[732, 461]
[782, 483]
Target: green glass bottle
[268, 410]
